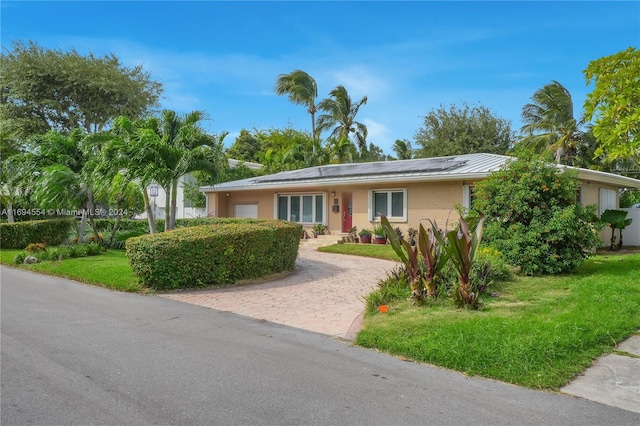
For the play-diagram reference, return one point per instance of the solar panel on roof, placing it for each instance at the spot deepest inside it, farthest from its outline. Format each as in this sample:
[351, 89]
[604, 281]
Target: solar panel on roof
[425, 165]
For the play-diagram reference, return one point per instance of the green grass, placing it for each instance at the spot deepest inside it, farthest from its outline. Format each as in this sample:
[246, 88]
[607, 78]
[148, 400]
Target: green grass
[110, 270]
[380, 251]
[538, 332]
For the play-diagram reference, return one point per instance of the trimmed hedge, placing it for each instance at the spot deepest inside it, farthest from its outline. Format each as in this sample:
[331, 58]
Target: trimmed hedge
[141, 225]
[20, 234]
[221, 253]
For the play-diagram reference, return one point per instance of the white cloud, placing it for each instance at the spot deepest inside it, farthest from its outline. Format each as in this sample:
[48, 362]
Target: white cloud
[378, 133]
[359, 81]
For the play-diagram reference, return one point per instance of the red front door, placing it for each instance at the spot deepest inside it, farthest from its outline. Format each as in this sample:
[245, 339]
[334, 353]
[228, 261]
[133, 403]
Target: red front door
[347, 212]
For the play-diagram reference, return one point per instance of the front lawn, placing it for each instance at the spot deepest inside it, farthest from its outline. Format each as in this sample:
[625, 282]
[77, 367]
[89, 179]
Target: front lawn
[381, 251]
[536, 332]
[110, 270]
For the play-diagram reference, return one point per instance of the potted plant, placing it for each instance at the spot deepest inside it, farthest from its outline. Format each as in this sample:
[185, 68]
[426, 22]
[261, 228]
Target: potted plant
[365, 236]
[319, 229]
[380, 236]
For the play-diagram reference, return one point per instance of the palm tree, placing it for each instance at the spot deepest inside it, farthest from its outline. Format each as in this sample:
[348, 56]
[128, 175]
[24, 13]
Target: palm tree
[340, 115]
[549, 122]
[341, 151]
[302, 90]
[164, 149]
[403, 149]
[62, 176]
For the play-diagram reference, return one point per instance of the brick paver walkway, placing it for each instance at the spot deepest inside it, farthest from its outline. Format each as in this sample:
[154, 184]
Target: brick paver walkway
[324, 294]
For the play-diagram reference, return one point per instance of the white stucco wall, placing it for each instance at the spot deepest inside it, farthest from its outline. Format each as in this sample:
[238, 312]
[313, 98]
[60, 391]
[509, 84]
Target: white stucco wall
[631, 234]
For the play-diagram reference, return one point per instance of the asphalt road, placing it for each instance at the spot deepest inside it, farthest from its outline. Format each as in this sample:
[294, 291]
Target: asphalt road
[75, 354]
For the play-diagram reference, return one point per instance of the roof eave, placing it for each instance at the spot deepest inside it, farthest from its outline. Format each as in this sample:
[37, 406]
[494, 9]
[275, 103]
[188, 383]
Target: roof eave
[608, 178]
[360, 180]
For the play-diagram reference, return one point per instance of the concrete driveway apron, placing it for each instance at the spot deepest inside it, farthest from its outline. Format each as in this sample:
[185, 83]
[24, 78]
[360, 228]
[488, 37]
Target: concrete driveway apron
[324, 294]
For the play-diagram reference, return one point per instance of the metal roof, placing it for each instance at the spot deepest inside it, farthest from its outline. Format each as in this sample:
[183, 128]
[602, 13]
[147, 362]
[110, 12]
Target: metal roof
[459, 167]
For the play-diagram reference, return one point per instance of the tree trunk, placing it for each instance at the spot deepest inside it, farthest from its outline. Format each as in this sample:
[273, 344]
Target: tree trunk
[313, 131]
[10, 217]
[147, 208]
[167, 208]
[83, 226]
[174, 204]
[114, 230]
[91, 206]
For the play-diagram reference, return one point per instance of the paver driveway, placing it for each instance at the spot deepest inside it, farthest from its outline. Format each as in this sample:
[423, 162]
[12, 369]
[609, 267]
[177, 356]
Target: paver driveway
[324, 294]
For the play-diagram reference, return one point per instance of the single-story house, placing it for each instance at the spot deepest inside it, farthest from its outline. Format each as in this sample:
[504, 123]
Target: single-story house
[408, 192]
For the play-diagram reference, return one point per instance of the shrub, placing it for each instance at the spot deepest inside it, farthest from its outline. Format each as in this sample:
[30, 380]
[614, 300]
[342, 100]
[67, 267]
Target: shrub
[36, 247]
[461, 247]
[62, 252]
[20, 234]
[423, 262]
[488, 268]
[379, 231]
[209, 255]
[141, 226]
[121, 237]
[393, 287]
[137, 225]
[615, 219]
[533, 218]
[19, 258]
[365, 232]
[319, 229]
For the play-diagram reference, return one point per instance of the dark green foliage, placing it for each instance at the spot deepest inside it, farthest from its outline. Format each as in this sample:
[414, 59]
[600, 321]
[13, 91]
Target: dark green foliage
[629, 198]
[20, 234]
[615, 219]
[142, 226]
[365, 232]
[105, 225]
[118, 240]
[462, 130]
[214, 254]
[488, 268]
[47, 89]
[533, 218]
[62, 252]
[246, 147]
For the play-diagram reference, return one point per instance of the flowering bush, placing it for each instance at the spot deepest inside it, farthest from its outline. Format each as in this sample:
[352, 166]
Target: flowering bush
[533, 217]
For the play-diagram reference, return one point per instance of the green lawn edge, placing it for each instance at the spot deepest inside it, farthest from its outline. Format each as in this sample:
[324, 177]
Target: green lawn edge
[110, 270]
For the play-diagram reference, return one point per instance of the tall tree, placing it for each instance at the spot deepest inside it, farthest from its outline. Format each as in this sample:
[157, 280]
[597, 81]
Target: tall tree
[164, 149]
[58, 173]
[614, 104]
[341, 151]
[549, 123]
[43, 89]
[246, 147]
[462, 130]
[301, 89]
[340, 115]
[403, 149]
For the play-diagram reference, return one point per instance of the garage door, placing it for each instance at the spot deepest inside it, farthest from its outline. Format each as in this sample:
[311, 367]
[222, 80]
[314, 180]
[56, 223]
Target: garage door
[246, 210]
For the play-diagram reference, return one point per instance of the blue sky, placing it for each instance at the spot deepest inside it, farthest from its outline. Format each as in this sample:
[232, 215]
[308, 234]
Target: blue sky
[406, 57]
